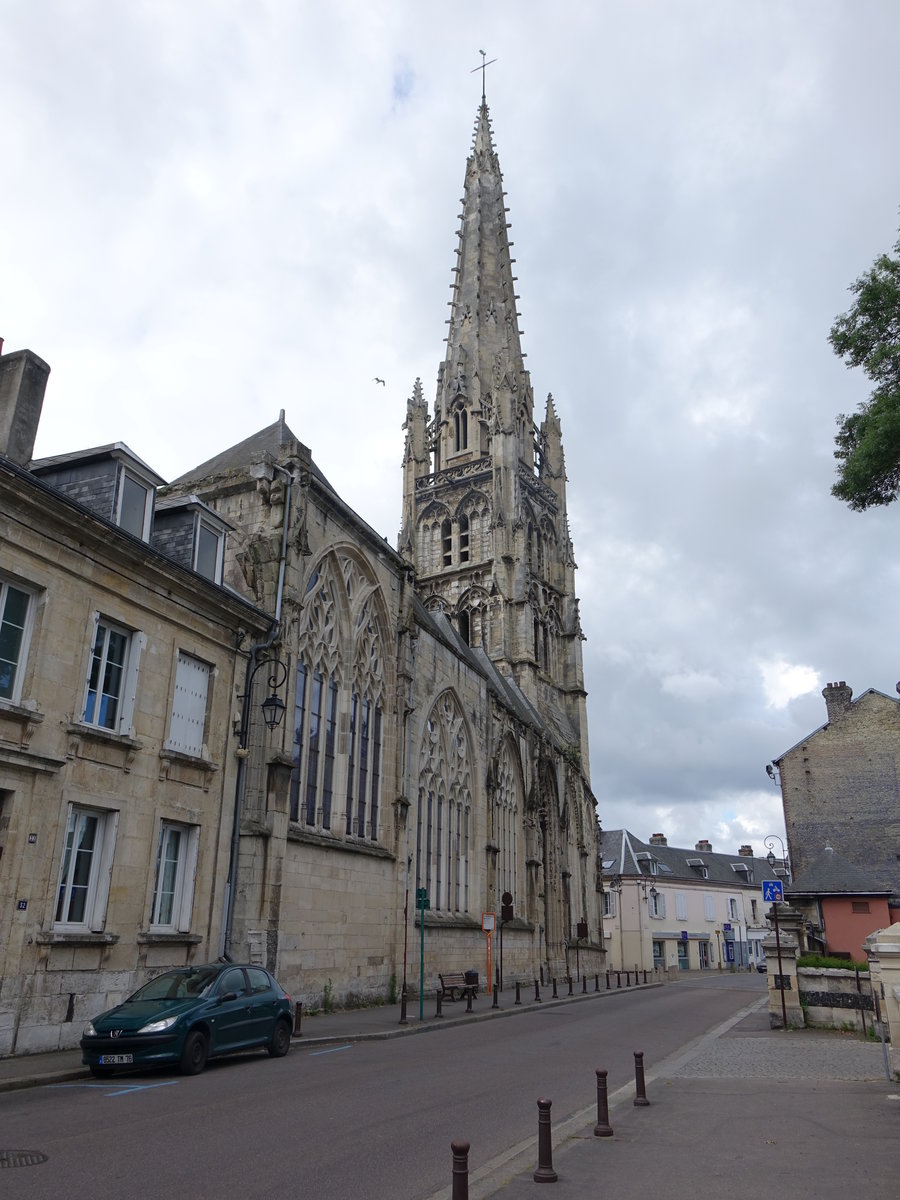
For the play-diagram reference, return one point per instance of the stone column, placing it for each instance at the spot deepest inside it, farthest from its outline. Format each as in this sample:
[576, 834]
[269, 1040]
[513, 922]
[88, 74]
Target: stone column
[783, 983]
[883, 950]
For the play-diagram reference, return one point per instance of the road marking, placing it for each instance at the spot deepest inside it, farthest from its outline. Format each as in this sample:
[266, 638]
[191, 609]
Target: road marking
[331, 1050]
[119, 1089]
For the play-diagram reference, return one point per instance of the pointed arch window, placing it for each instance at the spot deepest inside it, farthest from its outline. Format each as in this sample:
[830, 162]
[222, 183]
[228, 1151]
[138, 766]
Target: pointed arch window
[463, 538]
[446, 543]
[506, 821]
[460, 430]
[444, 808]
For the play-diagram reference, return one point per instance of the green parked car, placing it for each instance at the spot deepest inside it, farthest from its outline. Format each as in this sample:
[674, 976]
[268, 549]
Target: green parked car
[189, 1015]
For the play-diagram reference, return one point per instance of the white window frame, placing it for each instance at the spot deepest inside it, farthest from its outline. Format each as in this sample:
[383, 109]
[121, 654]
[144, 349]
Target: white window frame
[99, 871]
[709, 904]
[134, 647]
[680, 906]
[609, 903]
[182, 890]
[219, 535]
[733, 909]
[190, 706]
[18, 667]
[149, 496]
[657, 904]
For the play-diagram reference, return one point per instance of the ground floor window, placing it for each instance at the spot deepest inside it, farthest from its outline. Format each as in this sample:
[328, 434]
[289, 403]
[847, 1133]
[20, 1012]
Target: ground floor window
[683, 960]
[173, 882]
[659, 954]
[83, 887]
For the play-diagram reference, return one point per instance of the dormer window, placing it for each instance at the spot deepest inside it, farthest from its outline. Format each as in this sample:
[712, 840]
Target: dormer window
[193, 534]
[135, 505]
[699, 866]
[209, 544]
[745, 869]
[647, 863]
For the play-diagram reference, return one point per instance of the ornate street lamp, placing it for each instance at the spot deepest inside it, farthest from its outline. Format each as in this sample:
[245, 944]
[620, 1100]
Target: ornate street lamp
[273, 707]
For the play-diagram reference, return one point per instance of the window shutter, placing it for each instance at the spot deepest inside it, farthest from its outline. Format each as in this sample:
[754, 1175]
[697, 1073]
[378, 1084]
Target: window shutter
[680, 906]
[129, 687]
[710, 912]
[97, 916]
[185, 909]
[187, 728]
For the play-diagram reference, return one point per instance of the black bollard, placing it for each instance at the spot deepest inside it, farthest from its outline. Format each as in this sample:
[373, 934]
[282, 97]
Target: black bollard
[645, 974]
[640, 1090]
[618, 979]
[403, 1006]
[537, 992]
[460, 1189]
[496, 1003]
[583, 984]
[555, 994]
[544, 1172]
[469, 999]
[628, 979]
[542, 974]
[298, 1014]
[438, 1005]
[570, 985]
[518, 994]
[597, 983]
[603, 1127]
[607, 980]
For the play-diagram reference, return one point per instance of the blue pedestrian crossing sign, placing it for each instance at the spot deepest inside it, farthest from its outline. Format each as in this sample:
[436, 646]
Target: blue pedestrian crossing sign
[773, 891]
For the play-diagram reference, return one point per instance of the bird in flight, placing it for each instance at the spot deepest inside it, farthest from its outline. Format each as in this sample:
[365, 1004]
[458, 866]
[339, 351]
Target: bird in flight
[377, 380]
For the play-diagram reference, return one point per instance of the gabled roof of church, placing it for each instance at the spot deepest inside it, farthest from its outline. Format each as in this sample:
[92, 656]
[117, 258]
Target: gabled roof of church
[832, 874]
[275, 441]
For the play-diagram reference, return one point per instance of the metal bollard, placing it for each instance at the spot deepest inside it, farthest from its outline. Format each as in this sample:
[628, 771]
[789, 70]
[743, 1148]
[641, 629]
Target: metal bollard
[403, 1020]
[438, 1005]
[518, 994]
[597, 983]
[555, 993]
[468, 999]
[628, 979]
[496, 1003]
[537, 992]
[460, 1189]
[603, 1127]
[542, 974]
[583, 984]
[645, 974]
[570, 985]
[640, 1090]
[544, 1172]
[607, 980]
[298, 1014]
[618, 979]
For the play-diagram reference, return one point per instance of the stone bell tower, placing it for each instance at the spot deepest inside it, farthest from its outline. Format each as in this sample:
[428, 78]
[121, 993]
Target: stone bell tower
[484, 491]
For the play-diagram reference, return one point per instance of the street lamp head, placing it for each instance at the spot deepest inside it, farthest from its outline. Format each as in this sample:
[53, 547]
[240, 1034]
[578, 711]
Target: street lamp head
[273, 711]
[770, 859]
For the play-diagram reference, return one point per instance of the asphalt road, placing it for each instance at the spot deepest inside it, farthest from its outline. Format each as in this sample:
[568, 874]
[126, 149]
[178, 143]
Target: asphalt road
[368, 1120]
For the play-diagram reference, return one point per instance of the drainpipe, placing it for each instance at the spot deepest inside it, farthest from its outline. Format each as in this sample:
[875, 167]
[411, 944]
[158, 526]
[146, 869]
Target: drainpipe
[240, 783]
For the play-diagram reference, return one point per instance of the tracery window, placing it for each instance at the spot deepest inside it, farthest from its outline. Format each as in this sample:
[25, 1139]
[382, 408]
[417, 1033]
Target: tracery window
[336, 782]
[444, 809]
[506, 821]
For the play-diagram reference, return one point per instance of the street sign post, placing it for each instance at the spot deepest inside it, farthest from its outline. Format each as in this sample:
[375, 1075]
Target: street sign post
[488, 925]
[773, 893]
[422, 903]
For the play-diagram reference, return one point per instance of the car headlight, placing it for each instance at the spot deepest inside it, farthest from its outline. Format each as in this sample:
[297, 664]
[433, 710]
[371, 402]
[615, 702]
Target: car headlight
[89, 1030]
[158, 1026]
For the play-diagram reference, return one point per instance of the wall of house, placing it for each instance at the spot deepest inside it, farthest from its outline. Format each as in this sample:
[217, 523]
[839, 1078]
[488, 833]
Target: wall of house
[846, 930]
[55, 975]
[841, 787]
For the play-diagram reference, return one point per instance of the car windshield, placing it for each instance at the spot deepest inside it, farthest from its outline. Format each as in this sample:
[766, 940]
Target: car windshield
[177, 985]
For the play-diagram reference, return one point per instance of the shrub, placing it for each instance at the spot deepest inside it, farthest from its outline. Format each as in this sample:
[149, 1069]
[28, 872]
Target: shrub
[828, 962]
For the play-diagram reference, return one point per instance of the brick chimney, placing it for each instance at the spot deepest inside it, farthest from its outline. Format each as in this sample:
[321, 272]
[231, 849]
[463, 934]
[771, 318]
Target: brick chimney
[837, 699]
[704, 846]
[658, 839]
[745, 851]
[23, 381]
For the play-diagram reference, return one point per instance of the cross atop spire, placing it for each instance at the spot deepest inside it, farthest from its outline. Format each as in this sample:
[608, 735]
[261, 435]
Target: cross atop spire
[482, 69]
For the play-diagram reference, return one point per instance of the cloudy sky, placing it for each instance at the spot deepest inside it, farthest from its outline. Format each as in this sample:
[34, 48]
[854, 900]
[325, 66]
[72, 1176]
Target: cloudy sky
[215, 210]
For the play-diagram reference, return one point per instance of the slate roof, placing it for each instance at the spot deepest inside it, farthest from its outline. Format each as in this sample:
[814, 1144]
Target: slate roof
[622, 854]
[832, 874]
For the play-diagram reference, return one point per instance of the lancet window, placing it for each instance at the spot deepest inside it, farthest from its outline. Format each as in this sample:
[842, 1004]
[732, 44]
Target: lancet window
[506, 820]
[444, 808]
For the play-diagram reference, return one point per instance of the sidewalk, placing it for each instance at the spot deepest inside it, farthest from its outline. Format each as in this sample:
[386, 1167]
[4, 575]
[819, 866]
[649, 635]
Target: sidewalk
[351, 1025]
[746, 1112]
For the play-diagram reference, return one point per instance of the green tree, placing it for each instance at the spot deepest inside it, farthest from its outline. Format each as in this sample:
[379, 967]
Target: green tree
[868, 336]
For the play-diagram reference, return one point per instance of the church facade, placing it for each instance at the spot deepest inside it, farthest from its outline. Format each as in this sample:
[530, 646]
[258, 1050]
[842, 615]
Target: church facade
[439, 734]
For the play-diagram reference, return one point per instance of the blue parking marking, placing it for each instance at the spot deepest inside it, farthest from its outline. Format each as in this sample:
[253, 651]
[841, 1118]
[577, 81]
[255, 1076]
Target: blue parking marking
[331, 1050]
[118, 1089]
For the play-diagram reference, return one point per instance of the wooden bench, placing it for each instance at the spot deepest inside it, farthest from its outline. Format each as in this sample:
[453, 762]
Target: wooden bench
[454, 986]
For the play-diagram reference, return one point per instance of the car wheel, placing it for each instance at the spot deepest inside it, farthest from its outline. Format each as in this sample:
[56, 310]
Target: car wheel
[281, 1040]
[101, 1072]
[194, 1053]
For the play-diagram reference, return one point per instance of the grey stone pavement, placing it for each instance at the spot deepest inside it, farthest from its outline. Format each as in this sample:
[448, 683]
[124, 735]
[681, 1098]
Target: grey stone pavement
[744, 1111]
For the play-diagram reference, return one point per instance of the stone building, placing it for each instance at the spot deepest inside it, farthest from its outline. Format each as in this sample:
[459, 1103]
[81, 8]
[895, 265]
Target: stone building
[120, 662]
[839, 788]
[439, 732]
[670, 907]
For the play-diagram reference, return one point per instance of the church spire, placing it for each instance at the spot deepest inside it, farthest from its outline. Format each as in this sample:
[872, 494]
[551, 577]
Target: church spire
[483, 372]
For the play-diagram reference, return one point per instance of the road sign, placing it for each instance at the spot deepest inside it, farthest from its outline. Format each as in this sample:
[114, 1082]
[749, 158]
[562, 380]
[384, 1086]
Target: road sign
[422, 900]
[488, 922]
[684, 935]
[773, 891]
[727, 926]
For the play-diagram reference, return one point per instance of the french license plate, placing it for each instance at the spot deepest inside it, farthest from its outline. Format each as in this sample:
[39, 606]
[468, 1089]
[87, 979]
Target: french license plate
[116, 1060]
